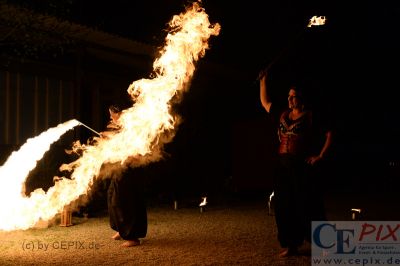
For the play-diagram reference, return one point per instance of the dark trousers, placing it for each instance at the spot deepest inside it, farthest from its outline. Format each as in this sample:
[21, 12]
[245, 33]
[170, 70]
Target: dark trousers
[298, 200]
[127, 206]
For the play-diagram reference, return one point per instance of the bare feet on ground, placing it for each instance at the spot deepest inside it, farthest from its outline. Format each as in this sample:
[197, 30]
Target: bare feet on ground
[131, 243]
[116, 236]
[287, 252]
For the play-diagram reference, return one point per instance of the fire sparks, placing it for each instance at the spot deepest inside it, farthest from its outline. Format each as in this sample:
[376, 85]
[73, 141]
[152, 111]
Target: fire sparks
[316, 21]
[142, 128]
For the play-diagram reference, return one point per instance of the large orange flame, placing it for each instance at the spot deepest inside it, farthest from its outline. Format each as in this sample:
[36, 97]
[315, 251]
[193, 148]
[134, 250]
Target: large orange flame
[142, 128]
[17, 211]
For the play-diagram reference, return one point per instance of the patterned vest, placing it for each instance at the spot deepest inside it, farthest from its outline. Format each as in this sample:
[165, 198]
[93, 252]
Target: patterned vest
[295, 135]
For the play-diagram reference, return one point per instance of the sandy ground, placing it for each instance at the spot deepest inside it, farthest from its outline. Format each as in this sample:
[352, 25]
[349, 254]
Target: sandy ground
[235, 235]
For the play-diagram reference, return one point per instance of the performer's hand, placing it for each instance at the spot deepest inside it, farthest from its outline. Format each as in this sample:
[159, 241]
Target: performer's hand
[313, 159]
[104, 135]
[262, 74]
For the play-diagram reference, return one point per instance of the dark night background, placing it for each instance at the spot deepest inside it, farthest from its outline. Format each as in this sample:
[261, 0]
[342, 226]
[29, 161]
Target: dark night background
[349, 67]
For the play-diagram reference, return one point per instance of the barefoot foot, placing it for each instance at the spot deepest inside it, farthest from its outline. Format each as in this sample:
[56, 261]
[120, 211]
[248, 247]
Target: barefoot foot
[116, 236]
[131, 243]
[287, 252]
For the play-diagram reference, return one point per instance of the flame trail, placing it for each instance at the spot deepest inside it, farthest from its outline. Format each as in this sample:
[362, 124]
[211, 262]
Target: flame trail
[142, 128]
[14, 172]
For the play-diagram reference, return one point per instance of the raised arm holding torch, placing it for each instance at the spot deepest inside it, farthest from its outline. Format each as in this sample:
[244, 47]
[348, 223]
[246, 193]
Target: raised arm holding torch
[314, 21]
[301, 145]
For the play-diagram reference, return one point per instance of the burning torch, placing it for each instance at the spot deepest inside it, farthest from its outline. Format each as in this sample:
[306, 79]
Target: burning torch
[203, 204]
[355, 213]
[270, 212]
[314, 21]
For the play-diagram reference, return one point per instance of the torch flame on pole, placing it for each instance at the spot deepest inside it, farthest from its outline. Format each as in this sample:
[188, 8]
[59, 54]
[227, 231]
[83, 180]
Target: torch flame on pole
[271, 195]
[204, 202]
[354, 213]
[270, 202]
[316, 21]
[143, 129]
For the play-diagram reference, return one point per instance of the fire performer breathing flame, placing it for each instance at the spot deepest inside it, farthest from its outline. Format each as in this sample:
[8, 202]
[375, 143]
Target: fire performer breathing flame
[142, 128]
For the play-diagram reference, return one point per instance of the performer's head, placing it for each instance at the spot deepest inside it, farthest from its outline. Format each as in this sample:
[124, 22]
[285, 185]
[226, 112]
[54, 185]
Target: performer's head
[296, 98]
